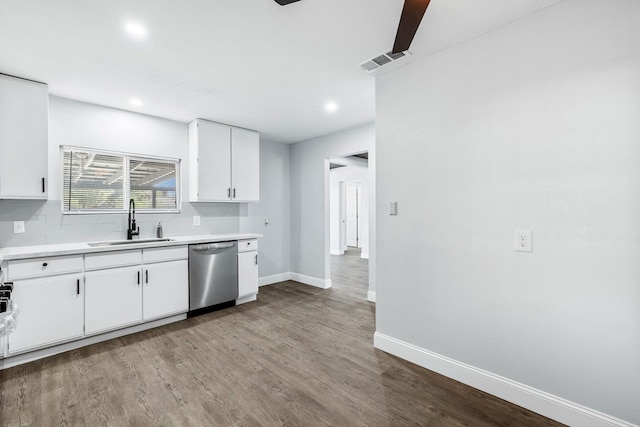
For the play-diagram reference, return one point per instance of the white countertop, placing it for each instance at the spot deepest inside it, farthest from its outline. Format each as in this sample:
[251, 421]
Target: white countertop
[22, 252]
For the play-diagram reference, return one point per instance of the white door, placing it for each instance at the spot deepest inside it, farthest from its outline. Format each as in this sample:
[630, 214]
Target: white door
[166, 289]
[247, 274]
[245, 165]
[113, 299]
[50, 310]
[352, 215]
[214, 161]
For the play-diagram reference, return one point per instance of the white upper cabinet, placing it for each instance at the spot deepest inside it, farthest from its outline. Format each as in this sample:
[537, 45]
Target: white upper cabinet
[209, 165]
[224, 163]
[245, 165]
[24, 124]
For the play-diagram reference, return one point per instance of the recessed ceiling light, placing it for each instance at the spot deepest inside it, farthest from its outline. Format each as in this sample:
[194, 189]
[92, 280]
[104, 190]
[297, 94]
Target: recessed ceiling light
[135, 30]
[135, 102]
[331, 107]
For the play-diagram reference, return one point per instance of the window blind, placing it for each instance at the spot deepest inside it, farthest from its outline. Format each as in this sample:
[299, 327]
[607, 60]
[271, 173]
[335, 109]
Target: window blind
[96, 181]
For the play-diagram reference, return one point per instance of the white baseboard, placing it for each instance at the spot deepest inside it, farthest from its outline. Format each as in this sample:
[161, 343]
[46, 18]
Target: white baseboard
[302, 278]
[522, 395]
[371, 296]
[334, 252]
[313, 281]
[274, 278]
[364, 255]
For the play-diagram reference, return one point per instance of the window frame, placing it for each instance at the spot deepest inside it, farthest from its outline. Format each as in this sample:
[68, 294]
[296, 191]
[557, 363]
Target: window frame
[127, 157]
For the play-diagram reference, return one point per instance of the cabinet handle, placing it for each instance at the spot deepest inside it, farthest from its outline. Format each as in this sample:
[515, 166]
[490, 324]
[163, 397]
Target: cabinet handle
[44, 264]
[234, 193]
[78, 287]
[43, 184]
[256, 259]
[228, 193]
[138, 277]
[146, 276]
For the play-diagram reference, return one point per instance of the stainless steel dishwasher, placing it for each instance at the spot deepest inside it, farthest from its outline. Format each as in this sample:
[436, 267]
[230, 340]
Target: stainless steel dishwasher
[213, 276]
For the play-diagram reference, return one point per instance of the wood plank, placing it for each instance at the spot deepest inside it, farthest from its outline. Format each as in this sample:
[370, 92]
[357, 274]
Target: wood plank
[299, 355]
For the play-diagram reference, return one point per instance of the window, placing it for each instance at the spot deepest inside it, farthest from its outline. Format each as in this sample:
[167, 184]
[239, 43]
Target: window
[101, 181]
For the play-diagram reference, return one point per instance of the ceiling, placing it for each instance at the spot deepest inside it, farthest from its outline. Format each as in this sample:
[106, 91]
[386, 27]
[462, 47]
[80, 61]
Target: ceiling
[248, 63]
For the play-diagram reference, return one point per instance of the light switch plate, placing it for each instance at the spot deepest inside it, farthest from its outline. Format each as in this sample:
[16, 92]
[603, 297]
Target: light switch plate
[196, 220]
[522, 241]
[18, 227]
[393, 208]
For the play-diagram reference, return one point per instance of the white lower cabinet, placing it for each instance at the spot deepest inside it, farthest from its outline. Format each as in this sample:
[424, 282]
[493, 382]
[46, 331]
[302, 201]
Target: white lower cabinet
[113, 299]
[51, 310]
[154, 285]
[165, 290]
[247, 270]
[65, 298]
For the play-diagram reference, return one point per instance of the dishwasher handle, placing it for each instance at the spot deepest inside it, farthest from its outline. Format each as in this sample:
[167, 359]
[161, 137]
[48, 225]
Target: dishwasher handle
[213, 246]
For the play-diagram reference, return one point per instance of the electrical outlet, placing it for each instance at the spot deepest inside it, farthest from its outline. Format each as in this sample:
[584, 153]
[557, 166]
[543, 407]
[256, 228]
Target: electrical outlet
[196, 220]
[522, 241]
[18, 227]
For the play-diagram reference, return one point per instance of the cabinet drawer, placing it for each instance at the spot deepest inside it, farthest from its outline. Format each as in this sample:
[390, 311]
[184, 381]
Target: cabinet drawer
[36, 267]
[112, 259]
[247, 245]
[164, 254]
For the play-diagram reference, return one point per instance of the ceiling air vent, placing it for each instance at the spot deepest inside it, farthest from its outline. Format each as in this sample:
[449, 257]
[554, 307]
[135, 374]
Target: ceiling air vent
[384, 59]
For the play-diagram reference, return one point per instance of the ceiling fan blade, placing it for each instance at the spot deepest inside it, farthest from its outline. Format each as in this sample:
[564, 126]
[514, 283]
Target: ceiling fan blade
[412, 14]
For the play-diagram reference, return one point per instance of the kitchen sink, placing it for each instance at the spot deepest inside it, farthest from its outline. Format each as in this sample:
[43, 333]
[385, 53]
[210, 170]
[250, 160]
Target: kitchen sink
[126, 242]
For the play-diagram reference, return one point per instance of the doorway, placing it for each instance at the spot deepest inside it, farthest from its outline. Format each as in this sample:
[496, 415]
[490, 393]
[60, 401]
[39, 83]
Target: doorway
[348, 212]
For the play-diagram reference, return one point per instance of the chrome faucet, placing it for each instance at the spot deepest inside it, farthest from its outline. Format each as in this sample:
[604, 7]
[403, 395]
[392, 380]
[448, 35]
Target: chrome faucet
[132, 230]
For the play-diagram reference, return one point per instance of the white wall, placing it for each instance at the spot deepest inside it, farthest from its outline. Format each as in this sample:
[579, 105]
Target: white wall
[535, 125]
[93, 126]
[310, 196]
[349, 174]
[275, 204]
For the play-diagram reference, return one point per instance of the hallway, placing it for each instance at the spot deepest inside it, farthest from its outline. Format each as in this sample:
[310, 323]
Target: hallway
[350, 273]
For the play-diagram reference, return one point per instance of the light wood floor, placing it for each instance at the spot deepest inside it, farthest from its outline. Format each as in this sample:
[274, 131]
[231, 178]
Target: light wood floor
[350, 274]
[299, 356]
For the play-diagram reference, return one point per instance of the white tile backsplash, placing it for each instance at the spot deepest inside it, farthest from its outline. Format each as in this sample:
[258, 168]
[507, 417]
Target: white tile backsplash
[45, 224]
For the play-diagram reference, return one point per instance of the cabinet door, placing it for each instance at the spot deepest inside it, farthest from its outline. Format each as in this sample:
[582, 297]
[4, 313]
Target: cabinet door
[214, 168]
[247, 274]
[113, 299]
[51, 310]
[24, 124]
[165, 290]
[245, 165]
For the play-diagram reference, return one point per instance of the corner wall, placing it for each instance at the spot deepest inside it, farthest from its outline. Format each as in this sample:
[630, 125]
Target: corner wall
[275, 204]
[310, 197]
[532, 126]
